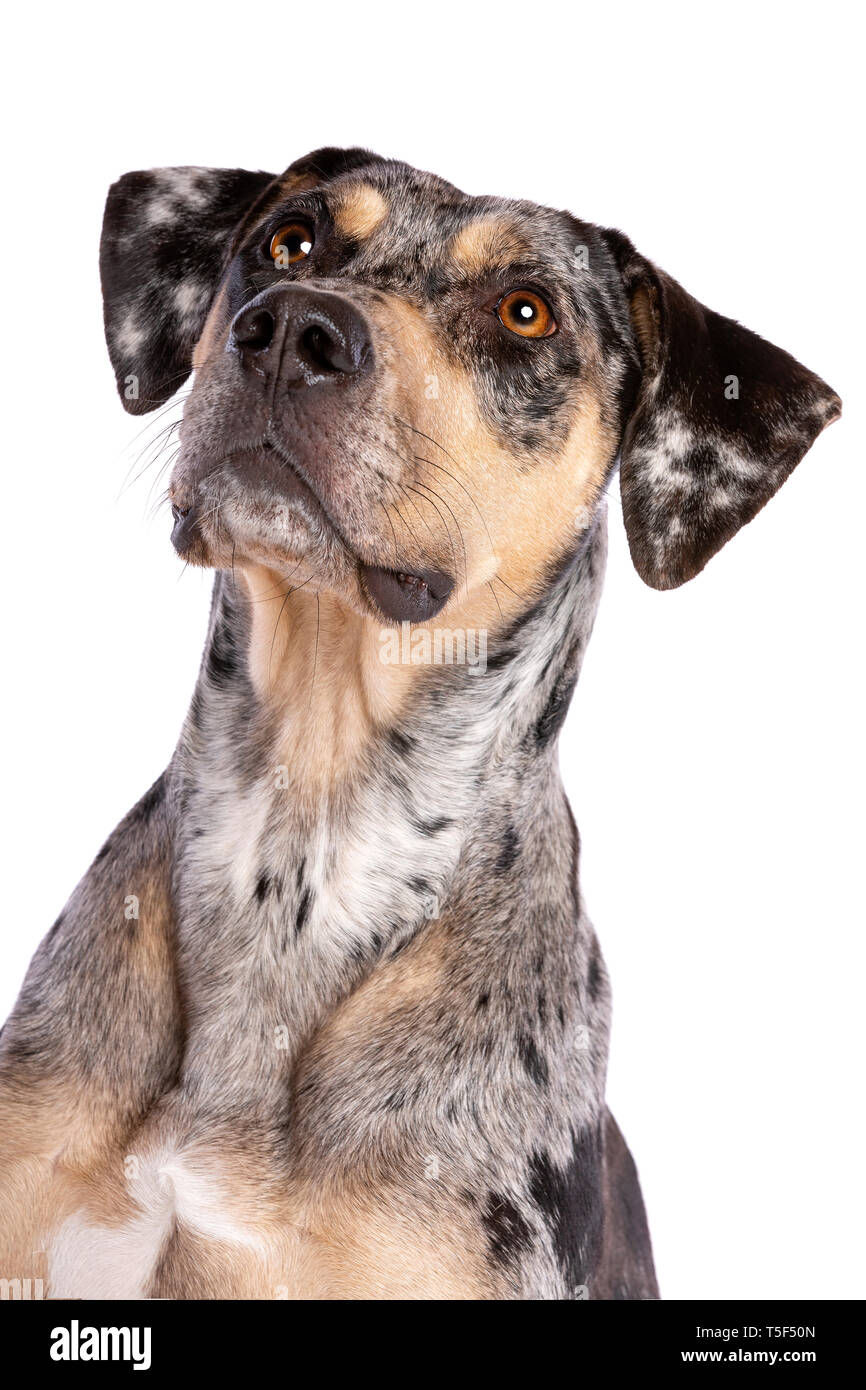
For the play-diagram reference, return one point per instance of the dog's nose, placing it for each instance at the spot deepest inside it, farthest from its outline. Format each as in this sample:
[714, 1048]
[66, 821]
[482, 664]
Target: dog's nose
[306, 336]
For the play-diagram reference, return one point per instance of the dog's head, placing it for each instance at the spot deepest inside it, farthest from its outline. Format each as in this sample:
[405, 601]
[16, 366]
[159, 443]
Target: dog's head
[411, 393]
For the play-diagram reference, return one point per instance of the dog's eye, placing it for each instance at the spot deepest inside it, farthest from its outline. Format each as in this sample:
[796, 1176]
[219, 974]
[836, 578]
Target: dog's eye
[291, 244]
[526, 313]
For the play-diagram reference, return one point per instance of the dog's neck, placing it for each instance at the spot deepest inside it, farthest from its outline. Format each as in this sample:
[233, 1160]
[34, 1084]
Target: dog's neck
[445, 779]
[296, 684]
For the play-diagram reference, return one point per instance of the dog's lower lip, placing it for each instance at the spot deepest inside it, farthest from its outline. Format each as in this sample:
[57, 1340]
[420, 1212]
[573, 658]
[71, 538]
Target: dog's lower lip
[407, 596]
[183, 528]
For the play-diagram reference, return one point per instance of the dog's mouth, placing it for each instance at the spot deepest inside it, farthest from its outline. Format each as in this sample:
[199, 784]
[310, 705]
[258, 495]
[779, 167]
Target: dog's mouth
[398, 595]
[183, 526]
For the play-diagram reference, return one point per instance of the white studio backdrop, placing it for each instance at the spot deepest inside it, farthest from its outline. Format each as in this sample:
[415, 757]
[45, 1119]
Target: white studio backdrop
[713, 754]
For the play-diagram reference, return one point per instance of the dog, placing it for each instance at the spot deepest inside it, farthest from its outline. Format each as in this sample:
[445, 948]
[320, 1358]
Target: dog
[326, 1018]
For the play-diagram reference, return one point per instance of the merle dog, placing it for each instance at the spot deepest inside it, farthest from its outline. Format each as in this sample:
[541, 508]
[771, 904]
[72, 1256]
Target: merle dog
[326, 1017]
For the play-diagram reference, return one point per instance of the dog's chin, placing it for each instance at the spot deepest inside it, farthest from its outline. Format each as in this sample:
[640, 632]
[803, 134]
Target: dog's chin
[242, 531]
[397, 596]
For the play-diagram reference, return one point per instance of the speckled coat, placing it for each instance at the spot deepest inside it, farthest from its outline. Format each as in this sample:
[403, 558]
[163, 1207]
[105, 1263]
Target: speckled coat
[326, 1017]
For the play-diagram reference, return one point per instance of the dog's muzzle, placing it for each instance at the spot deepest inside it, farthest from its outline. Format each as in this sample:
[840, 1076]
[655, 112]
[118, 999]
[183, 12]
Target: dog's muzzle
[298, 371]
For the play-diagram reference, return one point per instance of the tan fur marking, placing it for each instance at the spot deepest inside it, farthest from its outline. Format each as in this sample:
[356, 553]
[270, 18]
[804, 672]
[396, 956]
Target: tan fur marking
[207, 343]
[415, 976]
[645, 324]
[301, 183]
[485, 244]
[380, 1249]
[512, 520]
[317, 662]
[359, 211]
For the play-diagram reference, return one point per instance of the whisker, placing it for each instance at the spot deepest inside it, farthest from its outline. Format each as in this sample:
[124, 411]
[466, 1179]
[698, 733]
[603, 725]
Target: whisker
[277, 593]
[154, 507]
[406, 424]
[459, 530]
[180, 376]
[496, 597]
[441, 518]
[316, 651]
[393, 532]
[405, 522]
[430, 440]
[279, 618]
[155, 446]
[433, 464]
[497, 578]
[404, 493]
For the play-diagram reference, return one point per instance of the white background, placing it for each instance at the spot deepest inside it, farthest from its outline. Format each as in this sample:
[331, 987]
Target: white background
[713, 754]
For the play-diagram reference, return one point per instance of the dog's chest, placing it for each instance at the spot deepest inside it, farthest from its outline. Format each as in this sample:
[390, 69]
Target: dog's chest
[195, 1222]
[281, 913]
[237, 1187]
[280, 1159]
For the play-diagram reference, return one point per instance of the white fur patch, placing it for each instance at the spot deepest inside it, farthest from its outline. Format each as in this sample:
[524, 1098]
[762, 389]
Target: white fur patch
[87, 1259]
[130, 338]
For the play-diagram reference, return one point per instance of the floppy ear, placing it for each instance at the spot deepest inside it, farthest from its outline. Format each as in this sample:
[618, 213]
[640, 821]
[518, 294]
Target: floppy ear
[720, 420]
[166, 237]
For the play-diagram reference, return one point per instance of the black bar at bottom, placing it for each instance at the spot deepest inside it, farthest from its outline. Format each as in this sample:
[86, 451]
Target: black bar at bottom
[84, 1339]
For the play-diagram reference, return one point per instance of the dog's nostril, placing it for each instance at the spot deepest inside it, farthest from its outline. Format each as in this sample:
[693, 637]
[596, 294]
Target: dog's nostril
[333, 351]
[320, 349]
[254, 330]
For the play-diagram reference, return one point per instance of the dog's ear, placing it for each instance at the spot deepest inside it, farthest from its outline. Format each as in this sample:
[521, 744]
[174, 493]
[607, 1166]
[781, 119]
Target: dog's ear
[720, 420]
[166, 238]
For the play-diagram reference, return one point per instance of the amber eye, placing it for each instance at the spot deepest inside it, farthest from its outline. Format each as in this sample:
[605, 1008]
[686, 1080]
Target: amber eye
[291, 244]
[526, 313]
